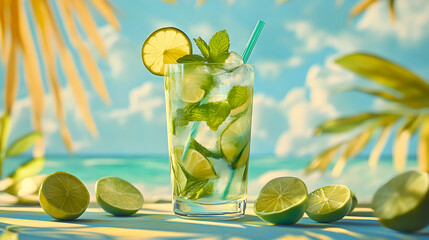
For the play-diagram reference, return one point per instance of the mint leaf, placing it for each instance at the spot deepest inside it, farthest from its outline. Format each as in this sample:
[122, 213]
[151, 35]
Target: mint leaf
[191, 59]
[218, 45]
[202, 45]
[237, 96]
[214, 113]
[201, 149]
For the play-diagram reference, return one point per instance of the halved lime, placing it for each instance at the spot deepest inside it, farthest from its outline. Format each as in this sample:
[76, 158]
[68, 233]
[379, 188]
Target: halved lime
[117, 196]
[164, 46]
[402, 203]
[329, 203]
[354, 202]
[63, 196]
[235, 138]
[198, 166]
[282, 201]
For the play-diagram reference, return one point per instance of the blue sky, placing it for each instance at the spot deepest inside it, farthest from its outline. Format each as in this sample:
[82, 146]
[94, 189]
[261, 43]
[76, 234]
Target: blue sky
[295, 74]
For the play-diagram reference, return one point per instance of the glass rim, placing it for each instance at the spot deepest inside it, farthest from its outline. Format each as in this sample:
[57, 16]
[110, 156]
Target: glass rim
[209, 64]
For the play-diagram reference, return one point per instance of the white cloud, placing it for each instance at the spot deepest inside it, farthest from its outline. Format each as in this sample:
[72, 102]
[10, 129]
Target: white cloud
[314, 39]
[272, 69]
[203, 30]
[146, 100]
[411, 25]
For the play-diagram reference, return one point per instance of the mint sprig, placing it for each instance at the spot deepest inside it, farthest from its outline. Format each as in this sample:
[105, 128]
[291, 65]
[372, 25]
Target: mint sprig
[213, 113]
[217, 51]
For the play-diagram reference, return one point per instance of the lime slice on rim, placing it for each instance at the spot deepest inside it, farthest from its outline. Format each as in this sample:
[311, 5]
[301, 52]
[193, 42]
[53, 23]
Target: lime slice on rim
[198, 166]
[117, 196]
[164, 46]
[282, 201]
[235, 138]
[402, 203]
[329, 203]
[63, 196]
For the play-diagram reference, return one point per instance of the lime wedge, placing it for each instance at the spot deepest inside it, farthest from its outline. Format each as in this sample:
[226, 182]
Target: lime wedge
[235, 138]
[117, 196]
[198, 166]
[402, 203]
[63, 196]
[243, 159]
[164, 46]
[192, 89]
[329, 203]
[282, 201]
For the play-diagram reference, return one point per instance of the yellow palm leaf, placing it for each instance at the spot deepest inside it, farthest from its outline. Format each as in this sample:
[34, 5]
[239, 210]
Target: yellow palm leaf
[423, 146]
[392, 10]
[379, 146]
[32, 70]
[352, 149]
[78, 90]
[400, 144]
[12, 83]
[321, 162]
[88, 62]
[361, 6]
[106, 10]
[51, 69]
[89, 26]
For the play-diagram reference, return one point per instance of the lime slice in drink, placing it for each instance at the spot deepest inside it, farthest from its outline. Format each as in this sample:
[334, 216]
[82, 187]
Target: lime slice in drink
[402, 203]
[117, 196]
[63, 196]
[198, 166]
[329, 203]
[235, 138]
[192, 91]
[243, 159]
[238, 99]
[282, 201]
[164, 46]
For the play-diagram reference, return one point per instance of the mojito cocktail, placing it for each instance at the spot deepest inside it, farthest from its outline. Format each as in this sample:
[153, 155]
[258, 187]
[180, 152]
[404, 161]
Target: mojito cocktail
[209, 116]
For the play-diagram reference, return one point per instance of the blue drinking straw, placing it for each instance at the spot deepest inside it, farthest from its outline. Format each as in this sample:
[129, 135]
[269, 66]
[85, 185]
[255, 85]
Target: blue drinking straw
[252, 41]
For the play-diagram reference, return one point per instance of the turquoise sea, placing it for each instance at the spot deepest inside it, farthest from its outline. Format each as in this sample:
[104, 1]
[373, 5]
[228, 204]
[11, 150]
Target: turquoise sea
[151, 174]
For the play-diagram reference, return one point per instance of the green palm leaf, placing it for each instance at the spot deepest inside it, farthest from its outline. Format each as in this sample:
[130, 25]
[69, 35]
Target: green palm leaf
[348, 123]
[321, 162]
[423, 146]
[379, 146]
[388, 74]
[401, 142]
[356, 145]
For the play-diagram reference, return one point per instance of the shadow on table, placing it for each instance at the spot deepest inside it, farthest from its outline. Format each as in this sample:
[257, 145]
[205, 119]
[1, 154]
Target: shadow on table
[165, 224]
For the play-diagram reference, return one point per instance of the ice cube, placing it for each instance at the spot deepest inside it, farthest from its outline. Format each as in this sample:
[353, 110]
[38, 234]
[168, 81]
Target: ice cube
[234, 58]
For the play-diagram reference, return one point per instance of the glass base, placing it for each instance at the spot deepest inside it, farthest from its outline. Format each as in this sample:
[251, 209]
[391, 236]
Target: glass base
[206, 211]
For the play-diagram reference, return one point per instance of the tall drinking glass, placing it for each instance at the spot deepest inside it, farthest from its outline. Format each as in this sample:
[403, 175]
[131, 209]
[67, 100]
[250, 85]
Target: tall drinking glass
[209, 116]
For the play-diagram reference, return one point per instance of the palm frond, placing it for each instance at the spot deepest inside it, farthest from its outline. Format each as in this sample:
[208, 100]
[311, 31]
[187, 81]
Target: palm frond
[361, 6]
[32, 70]
[322, 160]
[86, 58]
[387, 74]
[352, 149]
[423, 146]
[17, 40]
[415, 95]
[401, 142]
[379, 146]
[349, 123]
[392, 10]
